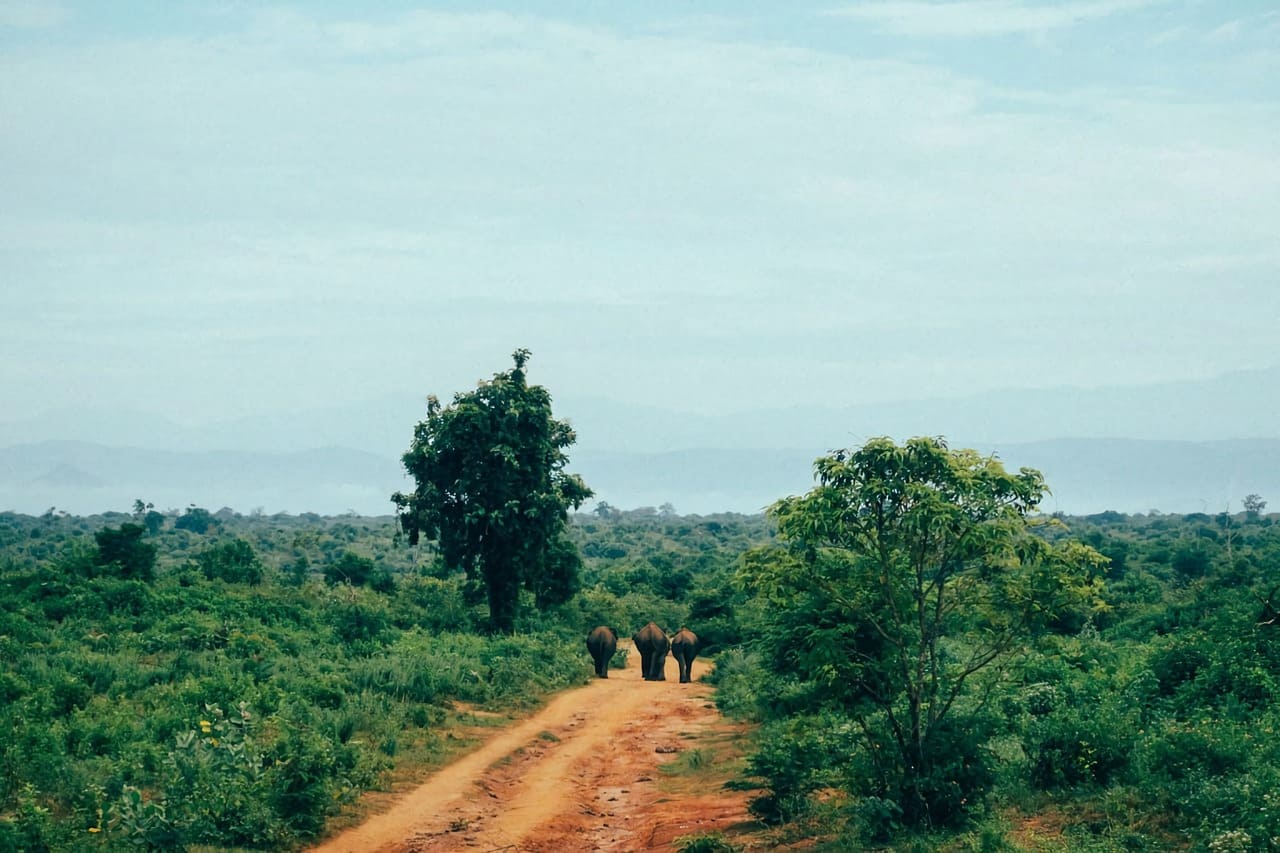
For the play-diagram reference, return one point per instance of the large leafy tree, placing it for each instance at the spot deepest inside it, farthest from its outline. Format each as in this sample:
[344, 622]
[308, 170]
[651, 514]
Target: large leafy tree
[907, 575]
[492, 491]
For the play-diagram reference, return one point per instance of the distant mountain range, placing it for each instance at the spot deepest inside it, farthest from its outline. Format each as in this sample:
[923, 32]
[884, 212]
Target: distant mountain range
[1086, 475]
[85, 478]
[1199, 445]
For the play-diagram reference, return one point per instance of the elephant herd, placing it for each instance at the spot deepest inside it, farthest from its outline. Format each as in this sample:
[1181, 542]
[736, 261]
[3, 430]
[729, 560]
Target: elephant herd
[653, 644]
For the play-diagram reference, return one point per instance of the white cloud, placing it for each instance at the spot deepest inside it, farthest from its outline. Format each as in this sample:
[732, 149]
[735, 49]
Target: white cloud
[437, 189]
[971, 18]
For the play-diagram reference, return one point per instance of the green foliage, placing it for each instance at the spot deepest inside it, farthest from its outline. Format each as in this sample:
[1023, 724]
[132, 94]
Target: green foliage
[1191, 560]
[708, 842]
[1149, 724]
[797, 756]
[491, 489]
[30, 829]
[111, 733]
[353, 569]
[195, 519]
[907, 572]
[123, 554]
[1079, 744]
[233, 561]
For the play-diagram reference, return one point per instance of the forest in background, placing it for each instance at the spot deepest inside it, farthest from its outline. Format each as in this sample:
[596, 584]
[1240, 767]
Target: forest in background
[187, 678]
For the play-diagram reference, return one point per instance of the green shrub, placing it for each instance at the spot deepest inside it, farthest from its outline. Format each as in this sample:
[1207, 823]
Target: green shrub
[122, 553]
[1177, 662]
[305, 780]
[737, 678]
[30, 829]
[1180, 750]
[233, 561]
[710, 842]
[350, 568]
[795, 757]
[1192, 560]
[432, 604]
[1079, 743]
[359, 620]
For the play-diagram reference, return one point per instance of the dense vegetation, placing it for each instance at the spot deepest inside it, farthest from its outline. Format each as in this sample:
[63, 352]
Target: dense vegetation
[175, 679]
[1146, 721]
[200, 678]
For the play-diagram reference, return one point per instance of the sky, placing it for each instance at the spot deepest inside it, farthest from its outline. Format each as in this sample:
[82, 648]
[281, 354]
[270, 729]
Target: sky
[216, 209]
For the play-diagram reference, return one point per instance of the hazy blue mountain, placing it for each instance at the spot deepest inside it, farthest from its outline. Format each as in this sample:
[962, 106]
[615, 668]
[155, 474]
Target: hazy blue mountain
[1086, 475]
[1091, 475]
[117, 427]
[1198, 445]
[1234, 405]
[82, 478]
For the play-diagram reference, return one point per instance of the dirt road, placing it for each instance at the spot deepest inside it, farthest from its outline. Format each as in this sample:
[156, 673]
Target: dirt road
[581, 775]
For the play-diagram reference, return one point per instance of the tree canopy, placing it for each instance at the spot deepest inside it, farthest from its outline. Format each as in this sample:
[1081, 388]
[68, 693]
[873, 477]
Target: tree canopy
[906, 572]
[493, 493]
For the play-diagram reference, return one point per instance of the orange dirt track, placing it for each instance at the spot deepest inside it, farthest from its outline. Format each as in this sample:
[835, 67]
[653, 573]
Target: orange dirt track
[581, 775]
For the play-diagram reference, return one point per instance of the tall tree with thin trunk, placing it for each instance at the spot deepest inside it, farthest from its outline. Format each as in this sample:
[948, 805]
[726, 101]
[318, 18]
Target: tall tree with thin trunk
[493, 493]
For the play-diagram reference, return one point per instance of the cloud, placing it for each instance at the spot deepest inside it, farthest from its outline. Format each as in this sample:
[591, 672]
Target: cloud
[976, 18]
[433, 190]
[30, 14]
[1264, 26]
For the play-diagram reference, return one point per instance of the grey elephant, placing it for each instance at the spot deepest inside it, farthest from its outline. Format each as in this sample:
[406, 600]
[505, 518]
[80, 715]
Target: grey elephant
[684, 648]
[652, 644]
[602, 642]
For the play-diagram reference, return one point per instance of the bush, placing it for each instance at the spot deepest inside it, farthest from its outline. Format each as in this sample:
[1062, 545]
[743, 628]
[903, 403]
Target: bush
[234, 562]
[736, 676]
[358, 618]
[306, 768]
[711, 842]
[122, 553]
[1177, 663]
[1079, 743]
[795, 757]
[1193, 750]
[1192, 560]
[196, 520]
[358, 571]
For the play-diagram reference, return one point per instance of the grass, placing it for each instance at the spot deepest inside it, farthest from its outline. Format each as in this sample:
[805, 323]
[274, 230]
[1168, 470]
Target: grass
[710, 766]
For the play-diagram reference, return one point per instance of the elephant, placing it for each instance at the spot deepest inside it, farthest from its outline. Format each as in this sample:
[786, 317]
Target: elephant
[684, 648]
[652, 643]
[602, 642]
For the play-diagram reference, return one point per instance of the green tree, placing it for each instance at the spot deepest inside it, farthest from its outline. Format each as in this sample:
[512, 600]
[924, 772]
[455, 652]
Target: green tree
[349, 568]
[906, 572]
[492, 491]
[196, 519]
[233, 561]
[122, 553]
